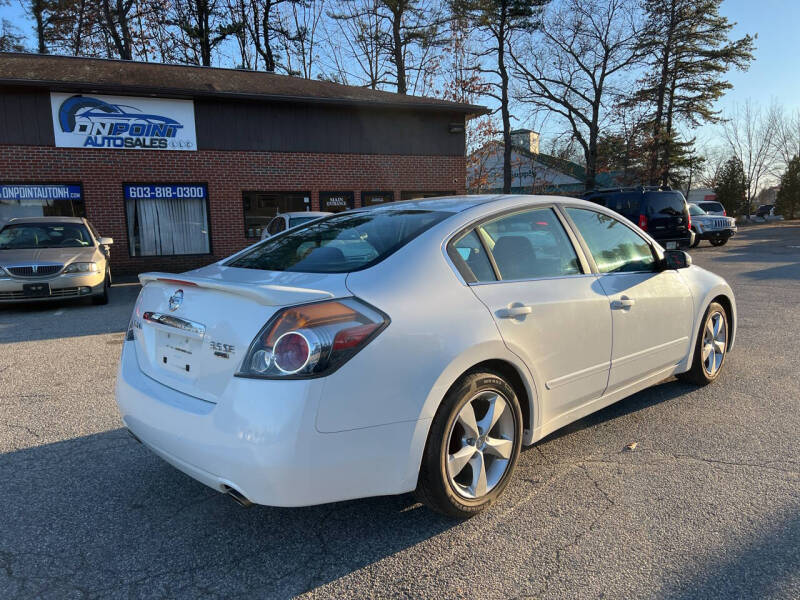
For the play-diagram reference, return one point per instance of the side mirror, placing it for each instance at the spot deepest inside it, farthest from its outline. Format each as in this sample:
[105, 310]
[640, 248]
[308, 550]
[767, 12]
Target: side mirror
[676, 259]
[105, 241]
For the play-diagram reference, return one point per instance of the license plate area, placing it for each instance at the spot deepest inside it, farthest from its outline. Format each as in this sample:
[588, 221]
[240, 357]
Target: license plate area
[672, 245]
[36, 290]
[177, 353]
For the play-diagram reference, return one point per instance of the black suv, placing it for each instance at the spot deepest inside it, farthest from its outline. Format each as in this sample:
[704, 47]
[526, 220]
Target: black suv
[661, 212]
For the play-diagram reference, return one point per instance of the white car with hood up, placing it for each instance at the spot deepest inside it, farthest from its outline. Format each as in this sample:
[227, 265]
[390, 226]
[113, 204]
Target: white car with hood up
[412, 346]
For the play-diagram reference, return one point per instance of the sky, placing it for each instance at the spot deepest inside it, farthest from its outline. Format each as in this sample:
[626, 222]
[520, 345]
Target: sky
[773, 76]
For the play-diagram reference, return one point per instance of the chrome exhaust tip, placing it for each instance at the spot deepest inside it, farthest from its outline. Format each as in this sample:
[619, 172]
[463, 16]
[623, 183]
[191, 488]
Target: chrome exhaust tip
[238, 497]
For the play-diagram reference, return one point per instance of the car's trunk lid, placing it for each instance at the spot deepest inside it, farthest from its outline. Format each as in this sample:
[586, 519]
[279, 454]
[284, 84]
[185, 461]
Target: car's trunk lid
[193, 329]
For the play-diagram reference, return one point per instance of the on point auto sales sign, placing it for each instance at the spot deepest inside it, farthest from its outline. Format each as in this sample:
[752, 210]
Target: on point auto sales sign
[122, 122]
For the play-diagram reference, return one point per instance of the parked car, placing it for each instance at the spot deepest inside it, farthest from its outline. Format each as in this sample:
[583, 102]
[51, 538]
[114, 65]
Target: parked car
[662, 213]
[713, 208]
[288, 220]
[765, 210]
[295, 373]
[716, 229]
[50, 258]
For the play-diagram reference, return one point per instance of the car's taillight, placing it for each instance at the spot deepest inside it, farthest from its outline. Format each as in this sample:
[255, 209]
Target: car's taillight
[724, 213]
[136, 319]
[643, 222]
[689, 221]
[312, 340]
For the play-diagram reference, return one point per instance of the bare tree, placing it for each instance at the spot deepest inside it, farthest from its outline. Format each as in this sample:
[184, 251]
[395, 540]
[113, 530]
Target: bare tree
[302, 24]
[116, 18]
[748, 132]
[569, 65]
[709, 171]
[786, 136]
[357, 44]
[494, 23]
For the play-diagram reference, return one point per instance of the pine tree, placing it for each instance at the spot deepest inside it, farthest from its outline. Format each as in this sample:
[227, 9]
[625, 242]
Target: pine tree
[731, 188]
[788, 201]
[690, 53]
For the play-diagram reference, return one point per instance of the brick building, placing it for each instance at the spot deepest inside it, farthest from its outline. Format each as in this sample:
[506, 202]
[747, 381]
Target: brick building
[184, 165]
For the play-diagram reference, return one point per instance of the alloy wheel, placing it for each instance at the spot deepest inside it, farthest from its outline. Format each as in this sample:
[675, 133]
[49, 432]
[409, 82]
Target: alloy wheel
[480, 444]
[715, 342]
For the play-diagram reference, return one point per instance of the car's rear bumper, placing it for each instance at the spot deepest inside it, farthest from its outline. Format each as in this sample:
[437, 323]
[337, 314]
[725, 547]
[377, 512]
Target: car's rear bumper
[680, 242]
[12, 289]
[260, 439]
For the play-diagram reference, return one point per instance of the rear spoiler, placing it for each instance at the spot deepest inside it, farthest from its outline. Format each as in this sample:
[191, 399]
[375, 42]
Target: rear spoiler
[268, 295]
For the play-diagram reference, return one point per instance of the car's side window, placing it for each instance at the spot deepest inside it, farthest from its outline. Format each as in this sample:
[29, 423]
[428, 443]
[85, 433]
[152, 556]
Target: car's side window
[470, 257]
[530, 245]
[615, 247]
[276, 225]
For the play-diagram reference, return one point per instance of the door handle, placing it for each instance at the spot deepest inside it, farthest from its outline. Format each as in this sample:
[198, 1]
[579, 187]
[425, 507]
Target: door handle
[513, 311]
[623, 303]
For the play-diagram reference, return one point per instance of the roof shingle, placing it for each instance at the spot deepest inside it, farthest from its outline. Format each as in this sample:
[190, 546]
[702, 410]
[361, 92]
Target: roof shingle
[103, 75]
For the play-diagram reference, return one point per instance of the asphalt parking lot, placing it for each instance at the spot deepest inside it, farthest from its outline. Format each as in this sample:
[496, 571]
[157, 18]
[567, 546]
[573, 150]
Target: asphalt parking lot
[706, 506]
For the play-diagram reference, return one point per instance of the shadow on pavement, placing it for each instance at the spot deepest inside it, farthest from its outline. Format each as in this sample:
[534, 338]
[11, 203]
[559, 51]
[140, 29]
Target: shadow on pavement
[100, 515]
[753, 568]
[56, 319]
[662, 392]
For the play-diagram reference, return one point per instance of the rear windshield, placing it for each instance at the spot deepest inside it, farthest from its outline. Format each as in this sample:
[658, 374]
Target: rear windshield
[339, 244]
[622, 202]
[711, 206]
[28, 236]
[665, 203]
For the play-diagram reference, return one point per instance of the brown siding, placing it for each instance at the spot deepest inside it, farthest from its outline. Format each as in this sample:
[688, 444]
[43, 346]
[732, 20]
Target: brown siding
[25, 118]
[283, 127]
[333, 129]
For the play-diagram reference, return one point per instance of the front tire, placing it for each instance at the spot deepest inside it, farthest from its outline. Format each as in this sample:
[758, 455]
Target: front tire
[472, 446]
[101, 299]
[711, 347]
[719, 241]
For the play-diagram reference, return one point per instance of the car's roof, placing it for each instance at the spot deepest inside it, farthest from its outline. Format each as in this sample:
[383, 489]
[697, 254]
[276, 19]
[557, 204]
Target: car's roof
[306, 213]
[18, 220]
[453, 204]
[458, 204]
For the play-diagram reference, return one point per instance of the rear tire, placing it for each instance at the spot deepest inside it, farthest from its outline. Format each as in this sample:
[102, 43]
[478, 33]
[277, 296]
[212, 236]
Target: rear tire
[696, 241]
[473, 445]
[712, 340]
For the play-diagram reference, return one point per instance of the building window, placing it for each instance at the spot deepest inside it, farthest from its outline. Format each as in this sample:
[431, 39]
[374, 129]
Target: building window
[167, 220]
[419, 195]
[336, 201]
[261, 207]
[373, 198]
[41, 200]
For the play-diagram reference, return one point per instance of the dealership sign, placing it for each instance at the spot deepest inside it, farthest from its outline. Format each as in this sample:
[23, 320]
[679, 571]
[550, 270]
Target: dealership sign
[20, 193]
[118, 122]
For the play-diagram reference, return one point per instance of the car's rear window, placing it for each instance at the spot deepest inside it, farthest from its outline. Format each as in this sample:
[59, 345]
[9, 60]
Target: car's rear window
[28, 236]
[340, 244]
[621, 202]
[665, 203]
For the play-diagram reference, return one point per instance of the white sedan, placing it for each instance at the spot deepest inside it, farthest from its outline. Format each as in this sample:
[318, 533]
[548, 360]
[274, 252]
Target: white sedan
[412, 346]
